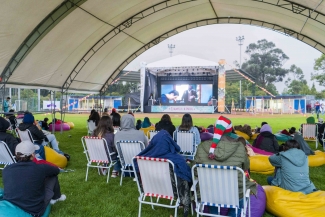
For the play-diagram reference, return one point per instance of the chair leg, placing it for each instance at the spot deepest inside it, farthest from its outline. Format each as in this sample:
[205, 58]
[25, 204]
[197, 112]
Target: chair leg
[87, 173]
[139, 215]
[108, 173]
[121, 177]
[151, 203]
[176, 211]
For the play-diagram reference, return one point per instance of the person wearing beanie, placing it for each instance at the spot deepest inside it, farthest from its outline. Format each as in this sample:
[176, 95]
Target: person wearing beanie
[226, 149]
[28, 185]
[266, 140]
[8, 138]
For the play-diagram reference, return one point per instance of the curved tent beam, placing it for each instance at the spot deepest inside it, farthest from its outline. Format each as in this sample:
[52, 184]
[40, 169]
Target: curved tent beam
[114, 32]
[221, 20]
[46, 25]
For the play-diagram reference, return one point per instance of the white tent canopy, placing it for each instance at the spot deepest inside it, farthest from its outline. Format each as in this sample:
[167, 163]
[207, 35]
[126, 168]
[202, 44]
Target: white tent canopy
[83, 45]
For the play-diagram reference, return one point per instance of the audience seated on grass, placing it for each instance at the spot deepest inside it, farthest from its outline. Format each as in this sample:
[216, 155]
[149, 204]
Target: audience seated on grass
[291, 169]
[187, 125]
[162, 145]
[246, 129]
[266, 140]
[225, 150]
[30, 186]
[44, 124]
[8, 138]
[165, 123]
[95, 117]
[105, 130]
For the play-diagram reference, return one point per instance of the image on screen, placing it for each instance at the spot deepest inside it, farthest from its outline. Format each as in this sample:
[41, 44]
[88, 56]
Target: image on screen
[186, 94]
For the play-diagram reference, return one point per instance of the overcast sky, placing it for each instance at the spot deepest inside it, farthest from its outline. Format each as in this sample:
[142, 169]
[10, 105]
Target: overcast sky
[217, 42]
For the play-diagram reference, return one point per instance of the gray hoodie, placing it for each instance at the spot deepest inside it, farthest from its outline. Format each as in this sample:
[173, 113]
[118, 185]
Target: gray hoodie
[129, 132]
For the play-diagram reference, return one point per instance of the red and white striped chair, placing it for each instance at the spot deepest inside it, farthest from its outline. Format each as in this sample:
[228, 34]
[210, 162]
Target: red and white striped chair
[154, 180]
[186, 141]
[97, 154]
[310, 132]
[6, 157]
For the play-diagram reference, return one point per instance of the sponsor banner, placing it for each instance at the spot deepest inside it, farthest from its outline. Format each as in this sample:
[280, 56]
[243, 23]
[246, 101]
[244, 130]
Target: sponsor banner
[51, 105]
[183, 109]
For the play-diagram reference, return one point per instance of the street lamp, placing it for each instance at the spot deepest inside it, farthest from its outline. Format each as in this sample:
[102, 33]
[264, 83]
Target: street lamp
[240, 40]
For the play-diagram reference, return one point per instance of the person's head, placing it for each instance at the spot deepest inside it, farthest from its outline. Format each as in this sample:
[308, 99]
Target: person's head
[113, 110]
[28, 118]
[92, 111]
[131, 113]
[290, 144]
[187, 122]
[266, 128]
[146, 122]
[263, 123]
[127, 122]
[25, 151]
[320, 120]
[105, 109]
[8, 98]
[12, 110]
[4, 124]
[46, 120]
[292, 130]
[105, 124]
[166, 118]
[139, 122]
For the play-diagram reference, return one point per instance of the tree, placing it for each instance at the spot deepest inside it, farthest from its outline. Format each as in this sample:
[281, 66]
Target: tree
[295, 73]
[265, 63]
[319, 66]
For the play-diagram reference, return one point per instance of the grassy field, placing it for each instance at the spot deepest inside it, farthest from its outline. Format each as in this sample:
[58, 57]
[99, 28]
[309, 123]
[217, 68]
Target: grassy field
[97, 198]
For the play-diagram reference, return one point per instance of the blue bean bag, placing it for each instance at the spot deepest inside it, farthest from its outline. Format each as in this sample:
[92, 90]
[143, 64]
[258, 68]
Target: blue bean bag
[8, 209]
[282, 137]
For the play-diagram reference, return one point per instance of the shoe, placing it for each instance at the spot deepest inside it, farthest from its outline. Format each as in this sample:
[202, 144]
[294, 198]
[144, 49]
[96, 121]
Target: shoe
[103, 171]
[114, 174]
[62, 198]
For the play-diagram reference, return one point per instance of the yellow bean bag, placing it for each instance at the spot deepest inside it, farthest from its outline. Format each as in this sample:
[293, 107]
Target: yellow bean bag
[254, 136]
[146, 130]
[244, 135]
[285, 203]
[55, 158]
[71, 124]
[316, 160]
[260, 164]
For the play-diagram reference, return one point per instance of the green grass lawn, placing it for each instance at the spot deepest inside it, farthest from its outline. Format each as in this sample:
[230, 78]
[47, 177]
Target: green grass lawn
[97, 198]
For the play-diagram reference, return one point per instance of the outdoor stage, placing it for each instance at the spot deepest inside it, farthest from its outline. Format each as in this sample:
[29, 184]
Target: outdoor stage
[179, 109]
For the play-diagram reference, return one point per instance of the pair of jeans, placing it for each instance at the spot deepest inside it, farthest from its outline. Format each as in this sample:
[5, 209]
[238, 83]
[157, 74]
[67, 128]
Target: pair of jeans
[54, 143]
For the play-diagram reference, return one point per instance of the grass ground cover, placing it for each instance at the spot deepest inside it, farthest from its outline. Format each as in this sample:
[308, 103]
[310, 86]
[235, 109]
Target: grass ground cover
[97, 198]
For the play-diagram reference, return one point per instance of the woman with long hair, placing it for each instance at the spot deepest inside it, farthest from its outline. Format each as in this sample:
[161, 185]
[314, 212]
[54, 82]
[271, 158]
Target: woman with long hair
[187, 125]
[95, 117]
[165, 123]
[146, 123]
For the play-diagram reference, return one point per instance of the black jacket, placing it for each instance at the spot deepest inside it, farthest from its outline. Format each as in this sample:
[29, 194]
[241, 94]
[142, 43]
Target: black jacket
[165, 125]
[37, 134]
[267, 142]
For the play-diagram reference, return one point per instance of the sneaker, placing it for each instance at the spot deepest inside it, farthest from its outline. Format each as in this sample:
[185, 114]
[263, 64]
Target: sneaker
[103, 171]
[62, 198]
[114, 174]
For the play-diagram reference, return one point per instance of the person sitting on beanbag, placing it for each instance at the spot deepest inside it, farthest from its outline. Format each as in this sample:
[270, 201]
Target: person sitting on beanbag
[266, 140]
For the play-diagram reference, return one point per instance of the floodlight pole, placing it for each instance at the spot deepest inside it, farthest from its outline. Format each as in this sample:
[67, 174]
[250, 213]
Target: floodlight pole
[171, 47]
[240, 40]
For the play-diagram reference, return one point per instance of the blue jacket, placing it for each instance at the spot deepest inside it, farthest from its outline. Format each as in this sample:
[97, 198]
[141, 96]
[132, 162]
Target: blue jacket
[292, 171]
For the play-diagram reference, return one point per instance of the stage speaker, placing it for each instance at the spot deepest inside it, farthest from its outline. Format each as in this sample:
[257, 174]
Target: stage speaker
[214, 102]
[150, 102]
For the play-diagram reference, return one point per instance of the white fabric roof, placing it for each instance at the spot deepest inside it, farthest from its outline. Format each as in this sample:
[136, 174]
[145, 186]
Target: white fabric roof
[181, 60]
[84, 45]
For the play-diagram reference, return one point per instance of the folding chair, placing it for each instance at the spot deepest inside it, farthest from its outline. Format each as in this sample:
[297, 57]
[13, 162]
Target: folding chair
[218, 186]
[18, 121]
[151, 134]
[91, 126]
[116, 129]
[24, 135]
[155, 181]
[310, 132]
[6, 157]
[126, 151]
[186, 141]
[97, 154]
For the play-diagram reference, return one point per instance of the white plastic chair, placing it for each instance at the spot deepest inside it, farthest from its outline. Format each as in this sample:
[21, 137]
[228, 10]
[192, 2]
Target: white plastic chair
[25, 135]
[91, 126]
[151, 134]
[219, 188]
[97, 154]
[186, 141]
[310, 132]
[126, 151]
[6, 157]
[154, 181]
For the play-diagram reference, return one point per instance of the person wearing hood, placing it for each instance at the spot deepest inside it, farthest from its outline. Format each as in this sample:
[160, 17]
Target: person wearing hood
[266, 140]
[11, 141]
[292, 170]
[162, 145]
[166, 124]
[146, 123]
[226, 150]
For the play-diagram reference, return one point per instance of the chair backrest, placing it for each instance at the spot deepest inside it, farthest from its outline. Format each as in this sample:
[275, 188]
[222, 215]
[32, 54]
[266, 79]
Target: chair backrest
[127, 150]
[152, 133]
[186, 141]
[6, 157]
[19, 121]
[116, 129]
[91, 126]
[155, 177]
[219, 184]
[24, 135]
[96, 149]
[309, 131]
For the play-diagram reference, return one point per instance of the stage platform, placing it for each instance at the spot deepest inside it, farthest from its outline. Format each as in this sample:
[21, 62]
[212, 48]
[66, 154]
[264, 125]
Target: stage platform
[179, 109]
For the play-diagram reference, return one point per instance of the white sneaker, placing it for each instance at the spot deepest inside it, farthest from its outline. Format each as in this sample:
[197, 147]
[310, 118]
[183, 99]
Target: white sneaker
[114, 174]
[62, 198]
[103, 171]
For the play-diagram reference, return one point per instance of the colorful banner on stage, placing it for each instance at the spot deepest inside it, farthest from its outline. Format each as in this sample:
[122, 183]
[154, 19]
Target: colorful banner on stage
[183, 109]
[221, 86]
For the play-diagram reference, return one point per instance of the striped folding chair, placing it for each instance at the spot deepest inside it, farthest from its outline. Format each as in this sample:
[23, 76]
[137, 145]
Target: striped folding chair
[97, 154]
[310, 132]
[126, 151]
[6, 157]
[186, 141]
[24, 135]
[154, 180]
[218, 186]
[151, 134]
[91, 126]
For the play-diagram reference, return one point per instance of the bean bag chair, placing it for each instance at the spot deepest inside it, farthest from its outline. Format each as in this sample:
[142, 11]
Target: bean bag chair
[71, 125]
[206, 136]
[9, 209]
[285, 203]
[55, 158]
[147, 129]
[258, 202]
[282, 137]
[316, 160]
[57, 127]
[254, 136]
[241, 134]
[261, 164]
[210, 130]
